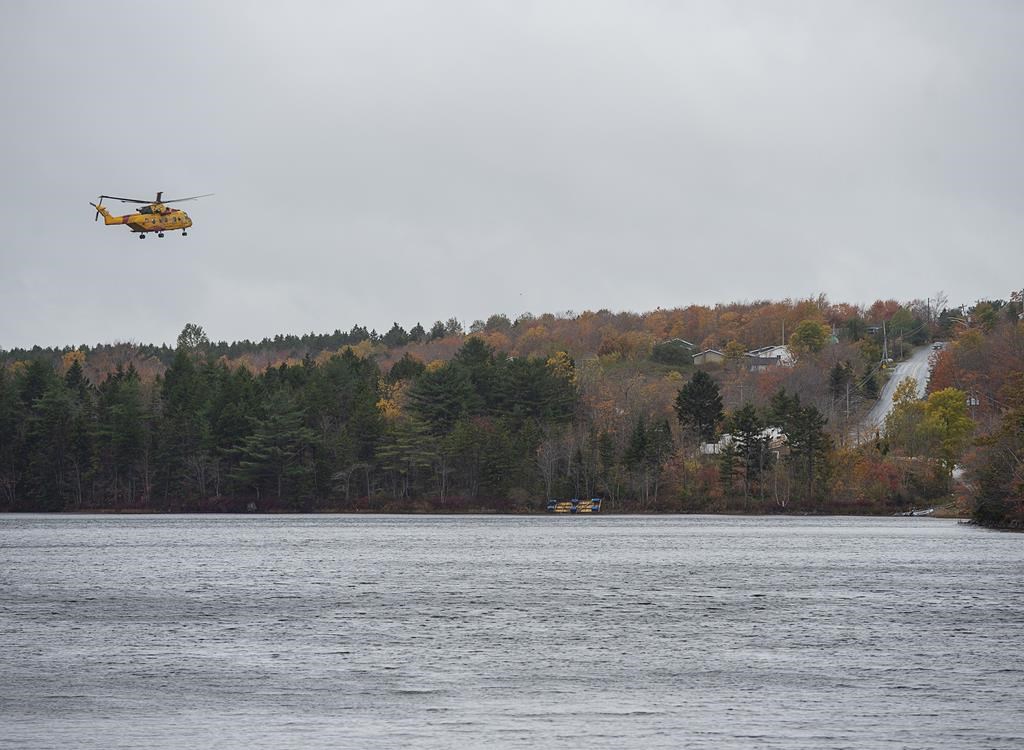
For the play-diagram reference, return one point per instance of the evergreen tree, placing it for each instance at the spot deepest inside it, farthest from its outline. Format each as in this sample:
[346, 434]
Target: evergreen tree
[122, 440]
[34, 382]
[437, 331]
[443, 396]
[699, 406]
[476, 358]
[530, 389]
[340, 404]
[647, 450]
[276, 457]
[396, 336]
[184, 437]
[406, 454]
[49, 446]
[839, 376]
[751, 445]
[12, 427]
[358, 334]
[809, 444]
[234, 406]
[407, 368]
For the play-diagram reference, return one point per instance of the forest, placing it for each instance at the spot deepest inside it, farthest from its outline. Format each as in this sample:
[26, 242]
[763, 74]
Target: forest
[666, 411]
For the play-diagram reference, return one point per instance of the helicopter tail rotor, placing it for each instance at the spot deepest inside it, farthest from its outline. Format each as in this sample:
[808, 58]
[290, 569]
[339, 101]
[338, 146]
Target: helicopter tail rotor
[101, 210]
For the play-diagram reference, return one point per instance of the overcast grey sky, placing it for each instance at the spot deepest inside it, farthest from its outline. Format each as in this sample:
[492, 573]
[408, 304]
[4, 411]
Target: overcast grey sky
[410, 161]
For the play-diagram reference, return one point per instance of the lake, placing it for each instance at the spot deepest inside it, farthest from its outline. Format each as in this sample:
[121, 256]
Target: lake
[509, 632]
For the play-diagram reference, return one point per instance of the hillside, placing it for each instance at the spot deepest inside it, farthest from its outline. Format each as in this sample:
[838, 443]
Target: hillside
[501, 416]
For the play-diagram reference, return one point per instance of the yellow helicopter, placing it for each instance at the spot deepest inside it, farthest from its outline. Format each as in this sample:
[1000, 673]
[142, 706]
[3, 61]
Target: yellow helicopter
[154, 216]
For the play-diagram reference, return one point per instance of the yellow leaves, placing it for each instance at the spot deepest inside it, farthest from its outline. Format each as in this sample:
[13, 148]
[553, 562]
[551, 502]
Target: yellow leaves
[734, 351]
[70, 358]
[809, 336]
[435, 365]
[389, 409]
[906, 392]
[561, 365]
[392, 398]
[946, 415]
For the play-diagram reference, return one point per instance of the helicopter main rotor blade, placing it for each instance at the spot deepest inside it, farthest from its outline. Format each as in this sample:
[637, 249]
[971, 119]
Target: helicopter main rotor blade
[124, 200]
[194, 197]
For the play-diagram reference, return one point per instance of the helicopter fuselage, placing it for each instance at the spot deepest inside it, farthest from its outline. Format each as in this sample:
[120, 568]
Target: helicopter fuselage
[155, 220]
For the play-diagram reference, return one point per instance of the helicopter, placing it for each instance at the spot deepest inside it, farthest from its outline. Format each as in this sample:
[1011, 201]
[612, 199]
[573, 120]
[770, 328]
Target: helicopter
[154, 216]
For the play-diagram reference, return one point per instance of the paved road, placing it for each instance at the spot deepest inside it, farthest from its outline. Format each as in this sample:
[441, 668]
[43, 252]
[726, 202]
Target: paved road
[914, 367]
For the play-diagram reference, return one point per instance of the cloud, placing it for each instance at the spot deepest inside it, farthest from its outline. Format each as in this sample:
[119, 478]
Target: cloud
[414, 161]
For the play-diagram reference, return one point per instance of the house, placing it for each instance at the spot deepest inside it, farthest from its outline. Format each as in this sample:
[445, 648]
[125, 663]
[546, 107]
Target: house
[776, 442]
[680, 343]
[708, 357]
[779, 353]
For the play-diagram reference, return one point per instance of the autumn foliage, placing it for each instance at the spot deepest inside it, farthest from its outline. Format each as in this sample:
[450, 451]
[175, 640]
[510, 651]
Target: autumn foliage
[504, 415]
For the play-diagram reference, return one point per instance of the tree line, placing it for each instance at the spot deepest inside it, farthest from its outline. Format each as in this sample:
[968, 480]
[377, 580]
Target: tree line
[301, 437]
[483, 431]
[486, 428]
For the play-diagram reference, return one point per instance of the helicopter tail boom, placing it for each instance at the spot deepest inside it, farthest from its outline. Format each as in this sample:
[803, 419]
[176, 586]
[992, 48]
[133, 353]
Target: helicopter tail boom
[101, 210]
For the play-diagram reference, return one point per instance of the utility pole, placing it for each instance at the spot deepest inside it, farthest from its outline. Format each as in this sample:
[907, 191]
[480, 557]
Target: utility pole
[885, 343]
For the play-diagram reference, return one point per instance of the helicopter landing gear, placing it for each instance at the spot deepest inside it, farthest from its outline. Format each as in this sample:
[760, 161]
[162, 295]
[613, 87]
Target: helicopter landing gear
[160, 234]
[142, 236]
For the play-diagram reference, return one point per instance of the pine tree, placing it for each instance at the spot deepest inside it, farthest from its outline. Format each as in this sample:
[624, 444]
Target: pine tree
[122, 439]
[12, 428]
[407, 368]
[276, 456]
[443, 396]
[396, 336]
[809, 444]
[699, 406]
[406, 454]
[184, 437]
[751, 445]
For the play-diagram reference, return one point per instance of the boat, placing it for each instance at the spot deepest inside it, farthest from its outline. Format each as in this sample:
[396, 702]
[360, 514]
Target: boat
[593, 505]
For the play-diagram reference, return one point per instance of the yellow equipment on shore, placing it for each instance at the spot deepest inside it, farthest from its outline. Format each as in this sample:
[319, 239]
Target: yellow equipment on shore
[575, 506]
